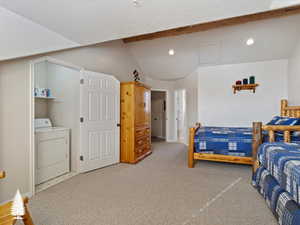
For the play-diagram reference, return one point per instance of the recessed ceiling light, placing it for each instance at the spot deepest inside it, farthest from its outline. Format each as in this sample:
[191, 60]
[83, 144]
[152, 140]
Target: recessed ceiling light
[250, 41]
[171, 52]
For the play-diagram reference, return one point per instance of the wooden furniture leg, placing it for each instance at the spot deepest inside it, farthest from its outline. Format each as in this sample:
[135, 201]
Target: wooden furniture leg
[256, 142]
[191, 148]
[27, 220]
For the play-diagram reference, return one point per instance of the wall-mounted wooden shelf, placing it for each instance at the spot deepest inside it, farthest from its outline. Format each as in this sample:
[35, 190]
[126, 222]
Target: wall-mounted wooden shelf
[244, 87]
[2, 174]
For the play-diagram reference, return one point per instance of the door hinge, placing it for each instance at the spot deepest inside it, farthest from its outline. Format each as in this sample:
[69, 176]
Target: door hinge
[81, 158]
[81, 119]
[81, 81]
[118, 125]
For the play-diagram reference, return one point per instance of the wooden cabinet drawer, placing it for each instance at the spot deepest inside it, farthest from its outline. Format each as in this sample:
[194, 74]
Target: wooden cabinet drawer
[142, 132]
[139, 150]
[145, 140]
[142, 150]
[146, 148]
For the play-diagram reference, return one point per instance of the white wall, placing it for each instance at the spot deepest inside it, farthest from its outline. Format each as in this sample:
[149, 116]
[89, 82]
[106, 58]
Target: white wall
[109, 58]
[218, 106]
[190, 85]
[294, 77]
[210, 99]
[64, 111]
[40, 81]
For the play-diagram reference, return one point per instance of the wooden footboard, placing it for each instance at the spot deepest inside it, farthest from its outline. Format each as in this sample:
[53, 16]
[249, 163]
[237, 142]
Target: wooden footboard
[191, 147]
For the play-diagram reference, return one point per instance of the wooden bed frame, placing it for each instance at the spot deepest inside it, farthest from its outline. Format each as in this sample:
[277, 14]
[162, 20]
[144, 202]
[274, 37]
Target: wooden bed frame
[258, 127]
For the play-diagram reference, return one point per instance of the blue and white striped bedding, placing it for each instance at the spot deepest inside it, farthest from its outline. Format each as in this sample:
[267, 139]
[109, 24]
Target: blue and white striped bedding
[224, 140]
[282, 160]
[230, 140]
[278, 180]
[285, 209]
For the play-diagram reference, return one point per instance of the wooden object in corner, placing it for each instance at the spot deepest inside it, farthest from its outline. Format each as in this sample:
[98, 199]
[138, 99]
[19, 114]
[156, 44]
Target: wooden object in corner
[5, 211]
[135, 122]
[244, 87]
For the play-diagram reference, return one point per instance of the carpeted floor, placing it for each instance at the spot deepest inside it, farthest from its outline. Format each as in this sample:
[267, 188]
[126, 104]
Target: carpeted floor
[160, 190]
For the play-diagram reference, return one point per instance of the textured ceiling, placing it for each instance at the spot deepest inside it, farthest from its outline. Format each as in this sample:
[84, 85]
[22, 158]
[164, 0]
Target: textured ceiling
[93, 21]
[274, 39]
[36, 23]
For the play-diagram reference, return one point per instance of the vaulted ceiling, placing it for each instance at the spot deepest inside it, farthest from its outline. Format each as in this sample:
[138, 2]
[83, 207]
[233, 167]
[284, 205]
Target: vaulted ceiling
[35, 26]
[274, 39]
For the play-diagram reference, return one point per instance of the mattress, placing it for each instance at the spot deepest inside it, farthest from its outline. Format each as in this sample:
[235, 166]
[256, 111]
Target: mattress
[234, 141]
[224, 140]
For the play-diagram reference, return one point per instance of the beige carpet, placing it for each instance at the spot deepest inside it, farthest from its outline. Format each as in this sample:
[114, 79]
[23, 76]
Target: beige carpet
[160, 190]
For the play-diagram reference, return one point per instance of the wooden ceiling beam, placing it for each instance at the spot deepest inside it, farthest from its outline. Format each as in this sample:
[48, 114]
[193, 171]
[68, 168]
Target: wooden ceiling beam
[217, 24]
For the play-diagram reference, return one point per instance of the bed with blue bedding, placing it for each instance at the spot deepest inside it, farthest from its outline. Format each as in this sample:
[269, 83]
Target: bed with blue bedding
[232, 141]
[278, 180]
[240, 144]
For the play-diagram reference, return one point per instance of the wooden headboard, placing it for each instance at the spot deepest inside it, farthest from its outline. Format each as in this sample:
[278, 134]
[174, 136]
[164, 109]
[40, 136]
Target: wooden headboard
[286, 110]
[290, 111]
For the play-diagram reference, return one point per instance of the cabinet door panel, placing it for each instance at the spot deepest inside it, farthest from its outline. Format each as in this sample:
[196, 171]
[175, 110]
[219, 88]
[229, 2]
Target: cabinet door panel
[147, 109]
[142, 106]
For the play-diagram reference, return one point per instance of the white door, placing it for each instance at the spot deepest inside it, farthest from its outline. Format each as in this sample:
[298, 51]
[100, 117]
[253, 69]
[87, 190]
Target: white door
[157, 118]
[100, 116]
[180, 105]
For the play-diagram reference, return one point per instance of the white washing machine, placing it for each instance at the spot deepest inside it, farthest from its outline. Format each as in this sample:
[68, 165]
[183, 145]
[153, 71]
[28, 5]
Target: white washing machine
[52, 150]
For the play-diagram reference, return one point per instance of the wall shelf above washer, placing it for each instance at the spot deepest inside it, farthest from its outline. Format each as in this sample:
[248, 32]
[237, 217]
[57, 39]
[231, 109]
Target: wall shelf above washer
[48, 98]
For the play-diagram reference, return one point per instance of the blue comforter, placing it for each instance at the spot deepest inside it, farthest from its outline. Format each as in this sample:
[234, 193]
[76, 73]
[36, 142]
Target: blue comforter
[278, 180]
[235, 141]
[224, 140]
[282, 160]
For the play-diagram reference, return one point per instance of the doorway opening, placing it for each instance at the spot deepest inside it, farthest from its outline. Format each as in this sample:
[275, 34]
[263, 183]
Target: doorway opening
[74, 122]
[56, 128]
[180, 115]
[158, 115]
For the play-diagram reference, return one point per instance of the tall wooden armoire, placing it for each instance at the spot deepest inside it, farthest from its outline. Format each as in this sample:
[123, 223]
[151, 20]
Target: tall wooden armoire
[135, 122]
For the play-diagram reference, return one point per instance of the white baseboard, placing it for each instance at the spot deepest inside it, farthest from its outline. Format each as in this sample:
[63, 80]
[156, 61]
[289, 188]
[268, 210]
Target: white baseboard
[57, 180]
[161, 137]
